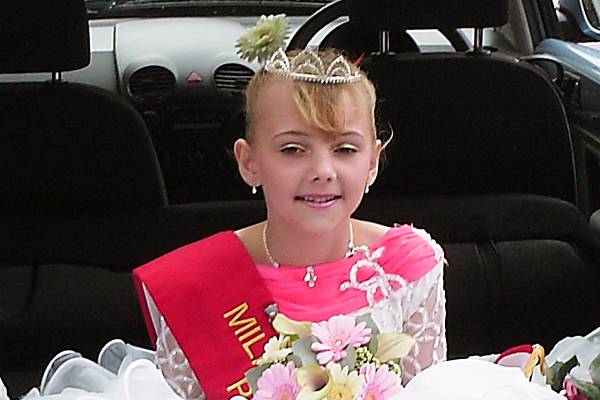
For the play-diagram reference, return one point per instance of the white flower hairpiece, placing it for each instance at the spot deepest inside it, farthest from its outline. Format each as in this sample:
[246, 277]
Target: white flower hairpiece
[262, 40]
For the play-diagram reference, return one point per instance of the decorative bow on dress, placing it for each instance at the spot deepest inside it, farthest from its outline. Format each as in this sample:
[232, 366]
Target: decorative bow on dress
[380, 280]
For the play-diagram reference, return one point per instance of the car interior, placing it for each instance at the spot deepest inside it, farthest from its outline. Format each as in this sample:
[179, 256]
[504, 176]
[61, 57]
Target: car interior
[114, 153]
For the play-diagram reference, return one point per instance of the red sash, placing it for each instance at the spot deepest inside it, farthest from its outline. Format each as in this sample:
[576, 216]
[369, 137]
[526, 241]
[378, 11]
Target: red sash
[213, 299]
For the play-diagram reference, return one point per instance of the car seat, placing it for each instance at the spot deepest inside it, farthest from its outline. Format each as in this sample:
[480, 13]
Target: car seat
[66, 147]
[71, 155]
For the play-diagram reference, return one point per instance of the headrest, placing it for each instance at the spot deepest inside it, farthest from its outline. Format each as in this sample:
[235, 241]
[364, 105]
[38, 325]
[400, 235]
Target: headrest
[43, 36]
[427, 14]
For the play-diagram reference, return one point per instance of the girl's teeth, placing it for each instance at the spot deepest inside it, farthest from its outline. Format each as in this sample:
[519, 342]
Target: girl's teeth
[318, 199]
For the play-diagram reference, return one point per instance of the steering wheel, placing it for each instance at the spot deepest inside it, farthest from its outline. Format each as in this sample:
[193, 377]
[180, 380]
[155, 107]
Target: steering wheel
[315, 22]
[339, 8]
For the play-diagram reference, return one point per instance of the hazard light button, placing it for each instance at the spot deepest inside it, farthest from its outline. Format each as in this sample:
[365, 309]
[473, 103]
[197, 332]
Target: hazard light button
[194, 78]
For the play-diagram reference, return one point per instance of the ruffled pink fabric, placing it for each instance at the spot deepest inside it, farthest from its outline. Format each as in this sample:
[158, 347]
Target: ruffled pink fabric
[407, 253]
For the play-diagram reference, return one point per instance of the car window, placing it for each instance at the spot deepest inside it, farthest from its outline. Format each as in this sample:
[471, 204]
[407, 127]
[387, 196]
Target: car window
[432, 40]
[130, 8]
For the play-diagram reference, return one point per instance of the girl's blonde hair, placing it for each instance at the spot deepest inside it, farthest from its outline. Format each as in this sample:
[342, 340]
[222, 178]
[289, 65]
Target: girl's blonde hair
[318, 103]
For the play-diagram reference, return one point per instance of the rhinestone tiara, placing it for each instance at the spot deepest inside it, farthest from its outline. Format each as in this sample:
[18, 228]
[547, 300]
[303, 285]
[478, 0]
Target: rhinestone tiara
[308, 66]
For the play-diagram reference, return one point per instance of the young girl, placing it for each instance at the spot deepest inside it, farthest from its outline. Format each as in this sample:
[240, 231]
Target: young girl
[312, 147]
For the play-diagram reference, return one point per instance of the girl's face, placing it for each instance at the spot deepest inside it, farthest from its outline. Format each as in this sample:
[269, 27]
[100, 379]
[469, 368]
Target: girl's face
[312, 180]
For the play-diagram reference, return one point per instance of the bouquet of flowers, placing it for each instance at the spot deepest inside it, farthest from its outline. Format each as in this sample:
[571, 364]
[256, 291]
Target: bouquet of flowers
[341, 358]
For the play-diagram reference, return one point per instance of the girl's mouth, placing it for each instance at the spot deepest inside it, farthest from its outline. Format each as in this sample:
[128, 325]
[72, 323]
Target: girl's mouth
[318, 200]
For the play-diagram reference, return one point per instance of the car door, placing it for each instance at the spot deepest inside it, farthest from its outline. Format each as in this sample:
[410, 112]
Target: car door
[569, 30]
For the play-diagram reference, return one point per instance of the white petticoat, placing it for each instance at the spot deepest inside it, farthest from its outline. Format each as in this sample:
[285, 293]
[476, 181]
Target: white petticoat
[140, 380]
[452, 380]
[474, 380]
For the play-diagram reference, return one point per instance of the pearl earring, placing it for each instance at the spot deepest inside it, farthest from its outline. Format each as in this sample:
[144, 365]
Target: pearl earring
[254, 189]
[367, 189]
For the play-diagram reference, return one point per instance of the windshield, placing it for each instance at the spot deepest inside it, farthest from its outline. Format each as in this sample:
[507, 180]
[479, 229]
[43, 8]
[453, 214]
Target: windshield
[154, 8]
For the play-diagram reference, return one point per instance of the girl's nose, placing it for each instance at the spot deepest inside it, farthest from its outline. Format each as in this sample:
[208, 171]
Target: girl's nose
[323, 169]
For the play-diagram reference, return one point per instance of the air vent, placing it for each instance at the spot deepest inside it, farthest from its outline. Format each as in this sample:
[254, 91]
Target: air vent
[233, 77]
[150, 84]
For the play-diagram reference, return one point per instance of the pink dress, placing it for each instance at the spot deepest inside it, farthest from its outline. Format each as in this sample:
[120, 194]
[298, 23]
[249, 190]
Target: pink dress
[398, 280]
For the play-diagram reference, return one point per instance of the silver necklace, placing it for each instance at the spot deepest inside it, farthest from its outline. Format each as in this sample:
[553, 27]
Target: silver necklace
[310, 277]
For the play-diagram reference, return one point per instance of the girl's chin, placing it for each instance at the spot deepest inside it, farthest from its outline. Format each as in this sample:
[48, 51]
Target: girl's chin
[320, 225]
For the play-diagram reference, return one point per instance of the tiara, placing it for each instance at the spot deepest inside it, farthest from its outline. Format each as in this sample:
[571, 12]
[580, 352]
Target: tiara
[308, 66]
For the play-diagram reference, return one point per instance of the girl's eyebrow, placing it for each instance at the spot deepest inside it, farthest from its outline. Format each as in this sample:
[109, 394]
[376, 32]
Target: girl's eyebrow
[346, 134]
[351, 133]
[291, 133]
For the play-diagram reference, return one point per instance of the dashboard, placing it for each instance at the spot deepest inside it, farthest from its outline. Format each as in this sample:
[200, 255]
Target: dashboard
[162, 60]
[125, 50]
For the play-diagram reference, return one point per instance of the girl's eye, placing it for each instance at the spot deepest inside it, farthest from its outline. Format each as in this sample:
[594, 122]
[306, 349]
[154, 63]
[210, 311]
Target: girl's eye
[347, 148]
[291, 149]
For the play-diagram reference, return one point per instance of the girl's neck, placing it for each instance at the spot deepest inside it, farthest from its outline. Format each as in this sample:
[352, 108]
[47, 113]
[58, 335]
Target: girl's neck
[299, 248]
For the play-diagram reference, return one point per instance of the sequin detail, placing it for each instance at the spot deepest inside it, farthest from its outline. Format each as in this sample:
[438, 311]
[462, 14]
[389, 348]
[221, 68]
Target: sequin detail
[175, 366]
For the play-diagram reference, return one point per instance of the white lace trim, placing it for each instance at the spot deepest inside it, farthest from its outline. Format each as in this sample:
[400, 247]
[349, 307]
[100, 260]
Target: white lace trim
[417, 308]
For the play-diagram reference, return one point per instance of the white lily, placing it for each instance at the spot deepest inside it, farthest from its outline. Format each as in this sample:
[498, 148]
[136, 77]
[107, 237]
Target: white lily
[290, 327]
[391, 346]
[315, 382]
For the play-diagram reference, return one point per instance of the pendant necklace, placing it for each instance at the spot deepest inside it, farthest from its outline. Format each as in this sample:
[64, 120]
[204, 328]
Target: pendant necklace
[310, 277]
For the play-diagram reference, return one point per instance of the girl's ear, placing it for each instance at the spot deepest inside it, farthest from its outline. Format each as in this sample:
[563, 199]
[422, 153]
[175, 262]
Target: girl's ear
[245, 160]
[374, 163]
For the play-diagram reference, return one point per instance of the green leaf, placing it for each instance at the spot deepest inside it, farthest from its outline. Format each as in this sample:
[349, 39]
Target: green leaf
[301, 348]
[253, 374]
[350, 359]
[595, 370]
[373, 344]
[555, 375]
[588, 390]
[366, 318]
[295, 359]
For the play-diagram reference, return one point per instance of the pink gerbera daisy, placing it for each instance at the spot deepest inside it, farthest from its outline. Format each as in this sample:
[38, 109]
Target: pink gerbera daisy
[335, 335]
[278, 382]
[380, 383]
